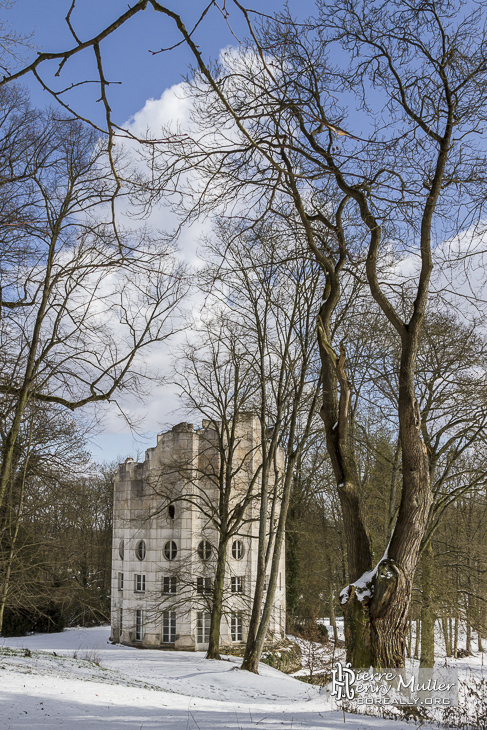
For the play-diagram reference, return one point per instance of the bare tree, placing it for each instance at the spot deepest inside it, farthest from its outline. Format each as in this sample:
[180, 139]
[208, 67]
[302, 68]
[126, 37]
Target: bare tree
[215, 378]
[79, 301]
[268, 291]
[401, 176]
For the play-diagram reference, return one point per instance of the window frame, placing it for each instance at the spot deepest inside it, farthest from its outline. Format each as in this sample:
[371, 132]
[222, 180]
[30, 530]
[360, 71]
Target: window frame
[141, 550]
[237, 584]
[236, 627]
[205, 550]
[139, 624]
[169, 548]
[168, 635]
[238, 550]
[203, 624]
[139, 583]
[171, 582]
[205, 584]
[120, 580]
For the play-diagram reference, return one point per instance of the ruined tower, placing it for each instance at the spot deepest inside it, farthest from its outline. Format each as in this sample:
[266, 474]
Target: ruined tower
[165, 540]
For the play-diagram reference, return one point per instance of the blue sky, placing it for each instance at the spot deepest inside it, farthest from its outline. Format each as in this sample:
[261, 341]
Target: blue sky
[126, 54]
[143, 76]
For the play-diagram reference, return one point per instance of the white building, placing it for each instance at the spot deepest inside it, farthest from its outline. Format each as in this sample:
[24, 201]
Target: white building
[164, 541]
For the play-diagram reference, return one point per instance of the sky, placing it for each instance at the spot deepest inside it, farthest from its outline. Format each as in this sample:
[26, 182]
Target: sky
[126, 54]
[143, 91]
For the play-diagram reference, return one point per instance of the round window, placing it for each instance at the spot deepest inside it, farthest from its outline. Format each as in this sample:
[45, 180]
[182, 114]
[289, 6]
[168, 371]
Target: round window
[204, 550]
[121, 549]
[170, 550]
[238, 550]
[140, 550]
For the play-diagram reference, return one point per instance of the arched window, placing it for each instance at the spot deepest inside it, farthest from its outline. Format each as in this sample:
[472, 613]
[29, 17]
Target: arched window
[237, 549]
[204, 550]
[140, 550]
[170, 550]
[121, 549]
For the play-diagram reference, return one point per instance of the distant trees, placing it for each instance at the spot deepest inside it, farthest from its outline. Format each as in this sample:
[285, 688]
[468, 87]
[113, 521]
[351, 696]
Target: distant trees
[58, 535]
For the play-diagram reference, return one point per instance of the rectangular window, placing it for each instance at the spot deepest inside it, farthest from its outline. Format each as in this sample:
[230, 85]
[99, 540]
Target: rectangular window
[236, 627]
[203, 585]
[169, 584]
[203, 621]
[120, 581]
[237, 584]
[140, 583]
[168, 627]
[139, 625]
[120, 621]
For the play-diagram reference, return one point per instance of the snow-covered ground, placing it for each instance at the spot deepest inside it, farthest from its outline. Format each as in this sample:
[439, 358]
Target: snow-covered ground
[50, 681]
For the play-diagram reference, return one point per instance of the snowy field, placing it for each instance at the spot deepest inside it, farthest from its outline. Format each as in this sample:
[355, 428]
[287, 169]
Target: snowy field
[59, 685]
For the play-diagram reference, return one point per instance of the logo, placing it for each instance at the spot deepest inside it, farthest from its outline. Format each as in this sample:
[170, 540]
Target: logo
[341, 683]
[429, 687]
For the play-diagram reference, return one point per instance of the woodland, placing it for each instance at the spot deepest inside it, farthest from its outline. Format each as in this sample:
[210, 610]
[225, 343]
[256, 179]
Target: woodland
[340, 295]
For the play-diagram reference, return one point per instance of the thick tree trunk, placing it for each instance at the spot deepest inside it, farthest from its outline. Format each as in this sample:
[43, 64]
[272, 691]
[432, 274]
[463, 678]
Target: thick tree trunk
[376, 615]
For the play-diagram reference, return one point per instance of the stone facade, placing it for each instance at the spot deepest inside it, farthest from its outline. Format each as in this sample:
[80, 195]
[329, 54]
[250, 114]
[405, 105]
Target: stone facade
[164, 542]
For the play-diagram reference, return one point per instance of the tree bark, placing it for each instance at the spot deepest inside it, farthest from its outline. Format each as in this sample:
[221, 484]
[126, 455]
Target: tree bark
[213, 651]
[427, 613]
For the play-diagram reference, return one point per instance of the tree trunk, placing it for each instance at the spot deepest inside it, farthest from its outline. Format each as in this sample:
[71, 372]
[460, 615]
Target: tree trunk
[376, 619]
[427, 613]
[409, 639]
[217, 602]
[446, 635]
[292, 571]
[468, 644]
[417, 639]
[253, 649]
[333, 622]
[455, 638]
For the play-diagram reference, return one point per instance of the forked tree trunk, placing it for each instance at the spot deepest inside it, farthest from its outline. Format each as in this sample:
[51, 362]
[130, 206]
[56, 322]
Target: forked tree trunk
[376, 606]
